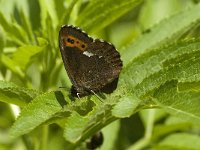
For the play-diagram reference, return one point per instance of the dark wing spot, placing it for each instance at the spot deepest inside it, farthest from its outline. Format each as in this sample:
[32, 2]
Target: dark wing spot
[83, 46]
[68, 39]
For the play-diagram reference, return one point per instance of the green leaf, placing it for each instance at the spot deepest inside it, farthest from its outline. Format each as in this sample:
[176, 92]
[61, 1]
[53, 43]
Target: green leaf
[184, 104]
[42, 108]
[180, 141]
[26, 24]
[110, 134]
[162, 32]
[48, 10]
[34, 15]
[149, 13]
[66, 15]
[154, 77]
[126, 106]
[2, 42]
[22, 56]
[154, 68]
[74, 127]
[10, 64]
[93, 121]
[152, 114]
[12, 94]
[52, 107]
[174, 120]
[14, 32]
[164, 130]
[98, 14]
[189, 86]
[187, 71]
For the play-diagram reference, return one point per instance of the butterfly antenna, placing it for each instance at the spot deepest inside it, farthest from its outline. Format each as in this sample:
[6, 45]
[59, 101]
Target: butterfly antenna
[97, 96]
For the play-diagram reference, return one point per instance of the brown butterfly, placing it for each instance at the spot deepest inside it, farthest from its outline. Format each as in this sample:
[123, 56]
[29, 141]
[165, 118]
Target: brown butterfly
[92, 65]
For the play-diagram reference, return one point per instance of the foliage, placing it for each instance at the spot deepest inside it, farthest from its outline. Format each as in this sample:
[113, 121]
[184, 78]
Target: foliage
[156, 104]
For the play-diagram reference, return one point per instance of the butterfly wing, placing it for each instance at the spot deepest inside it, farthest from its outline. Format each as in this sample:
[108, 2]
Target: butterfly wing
[72, 42]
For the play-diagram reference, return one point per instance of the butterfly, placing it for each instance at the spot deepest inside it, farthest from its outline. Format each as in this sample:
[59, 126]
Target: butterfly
[93, 65]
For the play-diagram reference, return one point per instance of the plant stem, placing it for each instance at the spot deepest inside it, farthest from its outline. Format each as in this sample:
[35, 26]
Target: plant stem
[43, 144]
[150, 124]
